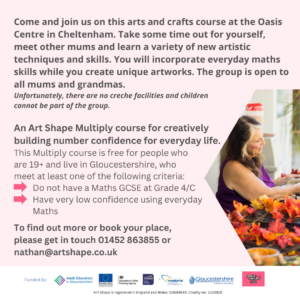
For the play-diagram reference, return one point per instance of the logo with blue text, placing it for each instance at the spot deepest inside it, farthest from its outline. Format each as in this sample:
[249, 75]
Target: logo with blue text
[171, 281]
[59, 280]
[105, 280]
[79, 279]
[214, 280]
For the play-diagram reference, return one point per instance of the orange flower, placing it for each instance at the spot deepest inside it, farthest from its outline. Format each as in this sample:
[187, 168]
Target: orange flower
[239, 206]
[260, 240]
[256, 233]
[268, 204]
[242, 230]
[268, 235]
[237, 217]
[295, 239]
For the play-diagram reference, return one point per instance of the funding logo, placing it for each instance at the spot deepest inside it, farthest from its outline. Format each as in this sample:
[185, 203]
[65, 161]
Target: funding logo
[79, 279]
[215, 280]
[253, 279]
[148, 279]
[105, 280]
[59, 280]
[127, 281]
[171, 281]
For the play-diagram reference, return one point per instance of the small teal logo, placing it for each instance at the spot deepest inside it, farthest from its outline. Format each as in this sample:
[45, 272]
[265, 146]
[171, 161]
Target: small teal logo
[192, 280]
[59, 280]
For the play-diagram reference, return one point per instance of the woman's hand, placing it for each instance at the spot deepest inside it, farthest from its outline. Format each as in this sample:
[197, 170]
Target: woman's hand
[280, 181]
[297, 188]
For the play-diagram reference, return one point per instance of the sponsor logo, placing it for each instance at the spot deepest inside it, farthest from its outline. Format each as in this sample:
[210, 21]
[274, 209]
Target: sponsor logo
[253, 279]
[148, 279]
[79, 279]
[125, 281]
[105, 280]
[59, 280]
[171, 281]
[215, 280]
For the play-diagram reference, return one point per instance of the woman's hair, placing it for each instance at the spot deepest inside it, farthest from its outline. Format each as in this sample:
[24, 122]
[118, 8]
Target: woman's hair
[235, 147]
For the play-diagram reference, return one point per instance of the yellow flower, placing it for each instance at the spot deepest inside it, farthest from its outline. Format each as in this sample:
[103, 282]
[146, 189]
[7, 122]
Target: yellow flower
[256, 204]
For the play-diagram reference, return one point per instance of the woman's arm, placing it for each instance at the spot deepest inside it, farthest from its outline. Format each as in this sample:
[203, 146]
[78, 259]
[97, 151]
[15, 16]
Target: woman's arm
[244, 182]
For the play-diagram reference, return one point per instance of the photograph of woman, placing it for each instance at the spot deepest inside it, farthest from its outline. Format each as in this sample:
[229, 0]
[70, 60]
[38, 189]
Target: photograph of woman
[242, 173]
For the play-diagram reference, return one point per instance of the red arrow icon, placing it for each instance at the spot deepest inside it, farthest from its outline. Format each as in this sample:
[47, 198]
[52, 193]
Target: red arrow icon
[21, 186]
[20, 199]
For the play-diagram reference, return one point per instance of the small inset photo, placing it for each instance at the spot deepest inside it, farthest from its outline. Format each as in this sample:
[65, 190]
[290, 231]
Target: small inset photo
[256, 177]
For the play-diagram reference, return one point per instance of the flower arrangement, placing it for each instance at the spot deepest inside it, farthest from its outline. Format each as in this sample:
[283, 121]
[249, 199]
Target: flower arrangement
[276, 233]
[278, 209]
